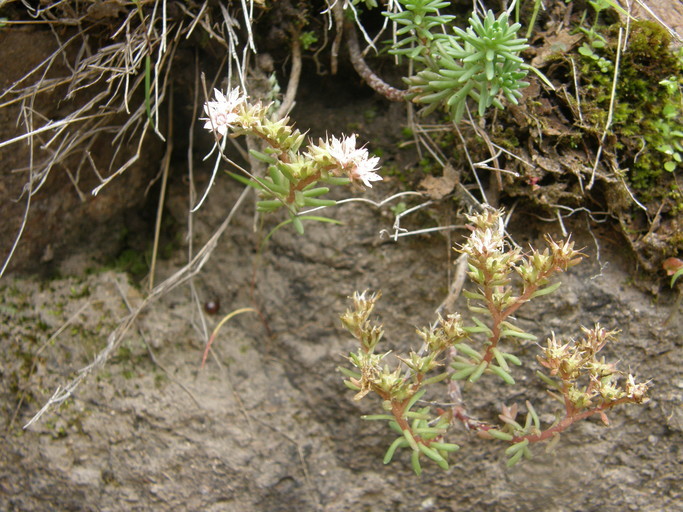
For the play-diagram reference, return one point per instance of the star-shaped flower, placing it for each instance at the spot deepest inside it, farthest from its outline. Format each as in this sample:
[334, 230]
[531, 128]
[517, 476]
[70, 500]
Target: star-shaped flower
[365, 171]
[344, 151]
[223, 113]
[356, 162]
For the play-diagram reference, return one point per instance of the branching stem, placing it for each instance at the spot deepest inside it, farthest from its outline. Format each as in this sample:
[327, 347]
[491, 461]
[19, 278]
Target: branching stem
[568, 421]
[359, 64]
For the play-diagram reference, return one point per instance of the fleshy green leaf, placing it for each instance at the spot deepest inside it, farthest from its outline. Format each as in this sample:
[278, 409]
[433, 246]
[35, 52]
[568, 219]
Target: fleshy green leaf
[435, 379]
[398, 443]
[534, 415]
[415, 398]
[479, 370]
[516, 457]
[315, 192]
[376, 417]
[262, 157]
[351, 386]
[500, 358]
[502, 374]
[464, 373]
[512, 358]
[503, 436]
[550, 382]
[517, 447]
[349, 373]
[468, 351]
[298, 225]
[411, 440]
[415, 462]
[518, 334]
[446, 447]
[546, 290]
[435, 456]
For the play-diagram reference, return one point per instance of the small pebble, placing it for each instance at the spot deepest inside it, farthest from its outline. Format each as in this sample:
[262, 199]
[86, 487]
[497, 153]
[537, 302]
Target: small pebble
[212, 306]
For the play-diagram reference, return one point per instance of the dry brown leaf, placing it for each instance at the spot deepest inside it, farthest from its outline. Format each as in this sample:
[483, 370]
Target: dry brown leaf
[439, 187]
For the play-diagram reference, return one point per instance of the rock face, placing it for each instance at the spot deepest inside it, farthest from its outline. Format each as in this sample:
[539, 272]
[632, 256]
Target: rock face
[670, 13]
[268, 426]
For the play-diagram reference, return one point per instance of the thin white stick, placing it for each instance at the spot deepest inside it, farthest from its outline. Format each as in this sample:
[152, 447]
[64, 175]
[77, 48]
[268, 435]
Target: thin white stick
[213, 177]
[576, 89]
[49, 126]
[62, 393]
[610, 112]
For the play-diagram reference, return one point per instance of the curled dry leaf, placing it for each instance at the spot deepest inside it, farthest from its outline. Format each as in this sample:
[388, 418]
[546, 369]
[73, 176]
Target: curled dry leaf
[438, 188]
[672, 265]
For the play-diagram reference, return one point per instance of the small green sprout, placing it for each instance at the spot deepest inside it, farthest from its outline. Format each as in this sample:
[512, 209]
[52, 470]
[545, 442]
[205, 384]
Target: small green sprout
[308, 39]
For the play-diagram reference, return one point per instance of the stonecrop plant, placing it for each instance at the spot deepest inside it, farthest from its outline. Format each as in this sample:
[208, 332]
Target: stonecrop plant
[293, 174]
[482, 62]
[456, 350]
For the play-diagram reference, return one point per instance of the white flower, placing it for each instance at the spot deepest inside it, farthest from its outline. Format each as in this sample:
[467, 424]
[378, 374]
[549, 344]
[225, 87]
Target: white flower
[354, 161]
[223, 113]
[365, 171]
[344, 151]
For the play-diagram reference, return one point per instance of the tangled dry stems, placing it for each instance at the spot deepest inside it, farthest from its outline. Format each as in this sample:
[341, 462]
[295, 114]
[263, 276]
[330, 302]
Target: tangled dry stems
[117, 91]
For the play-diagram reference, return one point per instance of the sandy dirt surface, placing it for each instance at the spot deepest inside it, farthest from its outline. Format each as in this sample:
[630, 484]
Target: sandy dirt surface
[267, 424]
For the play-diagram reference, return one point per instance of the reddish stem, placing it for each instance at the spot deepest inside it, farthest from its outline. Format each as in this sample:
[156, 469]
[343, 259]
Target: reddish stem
[302, 185]
[567, 421]
[499, 316]
[398, 408]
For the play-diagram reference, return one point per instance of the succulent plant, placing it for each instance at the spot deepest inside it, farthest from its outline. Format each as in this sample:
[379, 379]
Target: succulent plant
[481, 62]
[455, 350]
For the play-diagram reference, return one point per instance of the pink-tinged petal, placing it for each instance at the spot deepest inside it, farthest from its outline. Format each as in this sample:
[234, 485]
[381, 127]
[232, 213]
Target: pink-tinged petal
[223, 113]
[365, 171]
[344, 151]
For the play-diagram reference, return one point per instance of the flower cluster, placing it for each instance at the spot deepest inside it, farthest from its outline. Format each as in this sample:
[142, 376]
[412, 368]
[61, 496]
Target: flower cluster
[292, 173]
[586, 381]
[341, 157]
[355, 162]
[401, 389]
